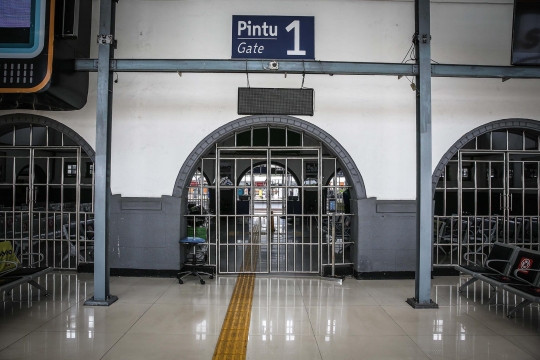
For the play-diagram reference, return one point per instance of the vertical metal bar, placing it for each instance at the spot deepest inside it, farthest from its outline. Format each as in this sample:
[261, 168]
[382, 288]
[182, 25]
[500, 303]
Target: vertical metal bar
[460, 208]
[234, 244]
[217, 211]
[506, 202]
[424, 213]
[31, 200]
[319, 206]
[333, 244]
[295, 243]
[47, 214]
[62, 219]
[102, 166]
[310, 243]
[235, 194]
[269, 215]
[251, 225]
[335, 183]
[77, 209]
[287, 179]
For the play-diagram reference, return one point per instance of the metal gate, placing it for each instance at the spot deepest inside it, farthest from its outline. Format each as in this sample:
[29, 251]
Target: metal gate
[497, 200]
[269, 210]
[46, 204]
[270, 200]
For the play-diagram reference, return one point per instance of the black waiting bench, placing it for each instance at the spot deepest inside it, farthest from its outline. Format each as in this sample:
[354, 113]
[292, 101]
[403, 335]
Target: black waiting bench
[15, 274]
[509, 268]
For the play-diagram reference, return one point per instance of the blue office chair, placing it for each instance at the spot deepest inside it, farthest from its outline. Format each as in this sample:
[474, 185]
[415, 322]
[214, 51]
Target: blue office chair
[198, 259]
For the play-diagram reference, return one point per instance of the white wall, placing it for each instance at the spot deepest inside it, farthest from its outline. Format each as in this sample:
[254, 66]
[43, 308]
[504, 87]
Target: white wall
[160, 118]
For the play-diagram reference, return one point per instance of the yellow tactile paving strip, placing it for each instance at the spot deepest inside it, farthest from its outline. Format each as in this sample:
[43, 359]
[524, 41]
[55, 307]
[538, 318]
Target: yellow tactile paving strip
[233, 339]
[232, 342]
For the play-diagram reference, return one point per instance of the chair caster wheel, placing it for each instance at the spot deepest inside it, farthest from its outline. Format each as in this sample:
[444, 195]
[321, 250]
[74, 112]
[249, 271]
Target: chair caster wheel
[180, 281]
[202, 282]
[46, 295]
[509, 316]
[211, 277]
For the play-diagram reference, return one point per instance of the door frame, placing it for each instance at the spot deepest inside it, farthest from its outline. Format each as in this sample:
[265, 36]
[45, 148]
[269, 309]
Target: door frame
[33, 222]
[268, 216]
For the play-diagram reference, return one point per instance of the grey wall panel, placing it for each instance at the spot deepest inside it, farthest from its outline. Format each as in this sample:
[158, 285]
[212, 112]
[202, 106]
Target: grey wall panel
[141, 205]
[146, 230]
[144, 237]
[393, 206]
[371, 260]
[146, 258]
[405, 259]
[386, 235]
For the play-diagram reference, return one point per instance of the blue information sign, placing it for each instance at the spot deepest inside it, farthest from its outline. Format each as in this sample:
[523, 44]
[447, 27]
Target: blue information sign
[273, 37]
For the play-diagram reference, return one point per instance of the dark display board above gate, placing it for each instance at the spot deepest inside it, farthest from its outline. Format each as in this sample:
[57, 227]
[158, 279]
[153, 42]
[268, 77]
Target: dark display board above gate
[526, 33]
[273, 37]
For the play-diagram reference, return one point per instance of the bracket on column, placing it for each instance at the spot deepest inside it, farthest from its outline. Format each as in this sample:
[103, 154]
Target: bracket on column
[107, 40]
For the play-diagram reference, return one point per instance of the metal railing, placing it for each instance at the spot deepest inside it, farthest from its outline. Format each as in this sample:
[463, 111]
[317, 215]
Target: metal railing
[455, 236]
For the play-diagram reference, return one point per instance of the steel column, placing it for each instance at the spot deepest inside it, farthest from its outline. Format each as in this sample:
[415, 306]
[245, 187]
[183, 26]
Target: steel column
[424, 212]
[102, 163]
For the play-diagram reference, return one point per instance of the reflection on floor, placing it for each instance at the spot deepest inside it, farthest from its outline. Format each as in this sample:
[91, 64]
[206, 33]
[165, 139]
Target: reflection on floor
[292, 318]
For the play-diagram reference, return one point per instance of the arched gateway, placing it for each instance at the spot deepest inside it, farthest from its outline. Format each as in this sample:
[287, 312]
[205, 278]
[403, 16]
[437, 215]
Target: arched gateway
[46, 190]
[486, 189]
[271, 194]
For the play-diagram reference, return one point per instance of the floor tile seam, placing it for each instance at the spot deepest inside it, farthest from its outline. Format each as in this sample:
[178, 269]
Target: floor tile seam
[333, 305]
[341, 306]
[310, 322]
[381, 336]
[4, 348]
[79, 331]
[136, 321]
[484, 324]
[119, 301]
[493, 329]
[394, 320]
[418, 346]
[470, 335]
[534, 355]
[499, 336]
[54, 317]
[124, 334]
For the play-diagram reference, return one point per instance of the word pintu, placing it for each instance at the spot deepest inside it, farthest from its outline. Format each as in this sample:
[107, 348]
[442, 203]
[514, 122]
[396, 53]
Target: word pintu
[258, 30]
[273, 37]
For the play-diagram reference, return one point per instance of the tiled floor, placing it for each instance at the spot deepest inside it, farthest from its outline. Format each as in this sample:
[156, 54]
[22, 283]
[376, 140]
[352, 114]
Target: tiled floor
[292, 318]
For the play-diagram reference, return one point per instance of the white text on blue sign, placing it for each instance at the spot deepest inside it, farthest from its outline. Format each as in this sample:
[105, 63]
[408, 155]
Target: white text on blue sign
[273, 37]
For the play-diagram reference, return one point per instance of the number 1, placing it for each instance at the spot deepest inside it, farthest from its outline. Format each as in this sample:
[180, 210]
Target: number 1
[296, 26]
